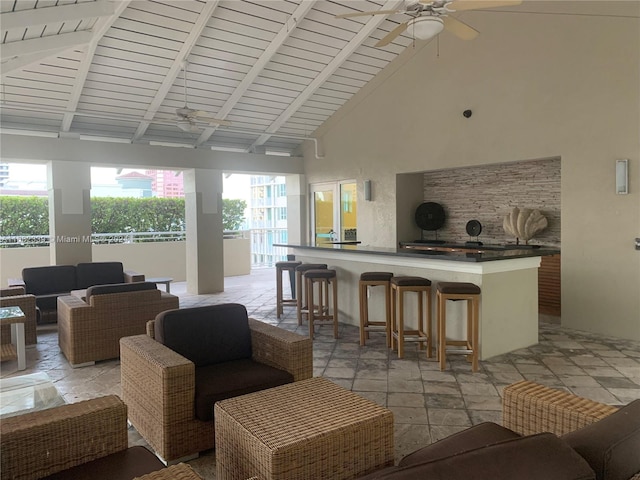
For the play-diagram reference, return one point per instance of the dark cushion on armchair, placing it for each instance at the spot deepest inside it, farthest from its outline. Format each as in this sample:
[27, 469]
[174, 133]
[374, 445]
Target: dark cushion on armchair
[481, 435]
[119, 288]
[230, 379]
[536, 457]
[206, 335]
[98, 273]
[611, 445]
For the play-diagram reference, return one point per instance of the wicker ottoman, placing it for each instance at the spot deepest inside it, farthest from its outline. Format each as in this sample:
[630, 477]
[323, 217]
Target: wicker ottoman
[311, 429]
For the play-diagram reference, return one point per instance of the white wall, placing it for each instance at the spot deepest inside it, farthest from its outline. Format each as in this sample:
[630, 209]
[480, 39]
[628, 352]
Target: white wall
[539, 86]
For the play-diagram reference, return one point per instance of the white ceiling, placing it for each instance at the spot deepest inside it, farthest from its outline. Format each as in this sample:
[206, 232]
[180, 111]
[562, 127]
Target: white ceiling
[275, 69]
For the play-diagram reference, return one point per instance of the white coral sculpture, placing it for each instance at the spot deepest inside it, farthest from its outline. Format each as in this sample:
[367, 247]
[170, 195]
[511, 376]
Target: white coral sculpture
[524, 223]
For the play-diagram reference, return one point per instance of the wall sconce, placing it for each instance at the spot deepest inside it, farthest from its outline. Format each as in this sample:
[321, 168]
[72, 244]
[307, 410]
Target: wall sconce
[367, 190]
[622, 177]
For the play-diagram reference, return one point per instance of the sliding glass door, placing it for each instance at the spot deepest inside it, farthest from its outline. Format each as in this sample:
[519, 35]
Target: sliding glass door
[334, 212]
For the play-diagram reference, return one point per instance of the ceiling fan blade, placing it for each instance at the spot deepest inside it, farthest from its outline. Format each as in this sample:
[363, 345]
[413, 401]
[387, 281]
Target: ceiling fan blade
[461, 5]
[364, 14]
[217, 121]
[391, 36]
[202, 116]
[460, 29]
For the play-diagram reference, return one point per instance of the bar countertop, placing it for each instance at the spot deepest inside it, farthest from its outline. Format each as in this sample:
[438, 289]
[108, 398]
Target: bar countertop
[451, 252]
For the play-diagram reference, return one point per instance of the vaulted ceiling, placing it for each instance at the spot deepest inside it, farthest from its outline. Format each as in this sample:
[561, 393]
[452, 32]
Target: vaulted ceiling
[275, 70]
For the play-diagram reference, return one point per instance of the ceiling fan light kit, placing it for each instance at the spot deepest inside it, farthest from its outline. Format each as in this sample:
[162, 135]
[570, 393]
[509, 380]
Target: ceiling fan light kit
[425, 28]
[187, 126]
[431, 17]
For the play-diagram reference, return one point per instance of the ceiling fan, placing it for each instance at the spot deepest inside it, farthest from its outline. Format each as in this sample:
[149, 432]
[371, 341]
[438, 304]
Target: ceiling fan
[430, 17]
[188, 118]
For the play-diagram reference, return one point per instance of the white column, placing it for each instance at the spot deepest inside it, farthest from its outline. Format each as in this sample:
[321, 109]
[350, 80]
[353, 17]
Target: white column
[69, 186]
[296, 209]
[203, 216]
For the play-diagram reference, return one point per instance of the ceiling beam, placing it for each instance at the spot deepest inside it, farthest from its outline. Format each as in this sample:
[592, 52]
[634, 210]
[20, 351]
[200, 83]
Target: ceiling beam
[44, 44]
[46, 15]
[23, 61]
[178, 63]
[257, 67]
[99, 29]
[27, 148]
[329, 70]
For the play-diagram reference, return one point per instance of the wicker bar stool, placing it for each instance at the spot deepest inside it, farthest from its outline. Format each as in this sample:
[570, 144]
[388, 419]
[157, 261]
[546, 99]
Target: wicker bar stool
[280, 300]
[321, 310]
[301, 305]
[458, 291]
[368, 280]
[422, 334]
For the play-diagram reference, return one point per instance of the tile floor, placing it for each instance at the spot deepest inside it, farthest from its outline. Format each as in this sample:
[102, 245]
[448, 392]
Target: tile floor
[427, 404]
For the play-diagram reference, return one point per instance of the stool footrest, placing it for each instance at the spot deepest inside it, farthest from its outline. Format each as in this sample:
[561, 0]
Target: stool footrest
[414, 338]
[377, 326]
[461, 351]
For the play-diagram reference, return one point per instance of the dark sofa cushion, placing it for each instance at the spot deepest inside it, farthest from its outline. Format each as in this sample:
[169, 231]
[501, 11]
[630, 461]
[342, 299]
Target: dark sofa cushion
[52, 279]
[98, 273]
[125, 465]
[536, 457]
[206, 335]
[230, 379]
[611, 445]
[49, 302]
[119, 288]
[481, 435]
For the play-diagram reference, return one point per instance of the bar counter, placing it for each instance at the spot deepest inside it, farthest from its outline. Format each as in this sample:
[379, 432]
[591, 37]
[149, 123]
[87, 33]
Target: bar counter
[507, 276]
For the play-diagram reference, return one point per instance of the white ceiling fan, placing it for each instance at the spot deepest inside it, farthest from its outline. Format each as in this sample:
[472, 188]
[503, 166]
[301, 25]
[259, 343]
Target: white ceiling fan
[429, 18]
[188, 118]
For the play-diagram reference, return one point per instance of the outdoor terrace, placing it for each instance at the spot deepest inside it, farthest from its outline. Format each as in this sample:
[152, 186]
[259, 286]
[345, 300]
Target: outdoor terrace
[427, 404]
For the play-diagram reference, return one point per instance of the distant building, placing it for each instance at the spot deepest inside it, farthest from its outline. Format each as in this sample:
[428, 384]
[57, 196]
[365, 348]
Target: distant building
[4, 173]
[136, 182]
[267, 218]
[166, 183]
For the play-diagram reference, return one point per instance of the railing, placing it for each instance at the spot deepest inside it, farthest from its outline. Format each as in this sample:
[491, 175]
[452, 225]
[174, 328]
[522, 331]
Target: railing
[95, 238]
[105, 238]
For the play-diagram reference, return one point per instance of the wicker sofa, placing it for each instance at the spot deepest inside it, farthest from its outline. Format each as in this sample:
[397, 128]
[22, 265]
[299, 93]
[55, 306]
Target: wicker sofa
[90, 327]
[87, 439]
[170, 388]
[546, 434]
[16, 297]
[49, 282]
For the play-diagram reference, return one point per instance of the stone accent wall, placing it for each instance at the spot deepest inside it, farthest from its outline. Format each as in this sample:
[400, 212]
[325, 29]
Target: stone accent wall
[488, 193]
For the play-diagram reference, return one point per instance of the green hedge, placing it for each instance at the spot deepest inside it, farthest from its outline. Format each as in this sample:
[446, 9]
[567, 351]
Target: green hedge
[24, 216]
[30, 215]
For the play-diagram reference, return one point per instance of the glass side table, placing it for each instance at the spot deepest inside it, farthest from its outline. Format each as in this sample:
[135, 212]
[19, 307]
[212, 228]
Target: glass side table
[27, 393]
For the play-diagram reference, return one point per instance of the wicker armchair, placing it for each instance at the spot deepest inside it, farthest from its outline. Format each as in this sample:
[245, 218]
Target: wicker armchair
[91, 434]
[89, 331]
[529, 408]
[158, 386]
[16, 297]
